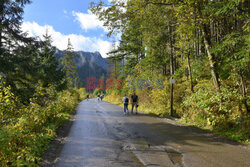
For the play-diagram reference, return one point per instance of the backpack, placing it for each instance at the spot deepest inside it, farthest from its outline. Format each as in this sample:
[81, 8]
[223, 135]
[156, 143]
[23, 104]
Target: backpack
[126, 100]
[134, 98]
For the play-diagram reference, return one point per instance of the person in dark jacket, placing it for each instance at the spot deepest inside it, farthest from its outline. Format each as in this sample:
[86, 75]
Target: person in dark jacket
[134, 99]
[125, 100]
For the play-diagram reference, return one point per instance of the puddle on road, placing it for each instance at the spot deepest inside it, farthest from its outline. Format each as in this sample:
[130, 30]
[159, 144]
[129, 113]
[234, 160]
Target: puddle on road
[143, 146]
[175, 157]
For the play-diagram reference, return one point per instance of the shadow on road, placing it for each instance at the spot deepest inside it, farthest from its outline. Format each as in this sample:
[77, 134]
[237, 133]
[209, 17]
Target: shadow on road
[104, 132]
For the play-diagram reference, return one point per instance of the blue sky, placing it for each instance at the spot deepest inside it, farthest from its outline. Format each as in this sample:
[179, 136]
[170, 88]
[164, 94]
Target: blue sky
[67, 19]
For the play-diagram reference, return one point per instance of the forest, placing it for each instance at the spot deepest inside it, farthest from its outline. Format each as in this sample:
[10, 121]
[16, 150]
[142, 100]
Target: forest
[197, 49]
[37, 95]
[186, 59]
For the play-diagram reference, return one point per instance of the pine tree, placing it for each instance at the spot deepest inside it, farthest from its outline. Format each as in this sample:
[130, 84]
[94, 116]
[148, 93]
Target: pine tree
[50, 71]
[12, 43]
[69, 66]
[10, 32]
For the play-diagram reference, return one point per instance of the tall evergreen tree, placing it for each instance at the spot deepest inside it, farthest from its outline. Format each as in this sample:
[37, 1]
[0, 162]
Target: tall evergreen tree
[50, 71]
[12, 44]
[10, 32]
[69, 66]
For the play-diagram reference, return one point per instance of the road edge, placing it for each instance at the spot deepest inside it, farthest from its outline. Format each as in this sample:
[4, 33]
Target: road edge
[49, 157]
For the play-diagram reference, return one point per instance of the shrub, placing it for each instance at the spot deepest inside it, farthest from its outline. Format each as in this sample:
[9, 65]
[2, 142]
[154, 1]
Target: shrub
[22, 141]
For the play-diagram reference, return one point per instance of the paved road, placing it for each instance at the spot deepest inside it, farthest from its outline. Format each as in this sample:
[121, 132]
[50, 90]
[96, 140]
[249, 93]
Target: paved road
[102, 136]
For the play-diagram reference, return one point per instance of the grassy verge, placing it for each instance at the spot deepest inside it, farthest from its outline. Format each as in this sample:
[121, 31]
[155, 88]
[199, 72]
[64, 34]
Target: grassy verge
[239, 134]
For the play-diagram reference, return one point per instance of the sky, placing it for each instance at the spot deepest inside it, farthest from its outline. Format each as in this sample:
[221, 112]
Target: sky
[66, 19]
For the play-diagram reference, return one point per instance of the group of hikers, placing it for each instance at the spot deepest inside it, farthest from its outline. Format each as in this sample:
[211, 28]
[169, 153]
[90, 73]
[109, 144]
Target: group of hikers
[100, 97]
[134, 102]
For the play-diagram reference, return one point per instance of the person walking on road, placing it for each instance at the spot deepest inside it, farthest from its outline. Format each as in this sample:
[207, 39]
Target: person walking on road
[134, 99]
[102, 96]
[87, 96]
[125, 100]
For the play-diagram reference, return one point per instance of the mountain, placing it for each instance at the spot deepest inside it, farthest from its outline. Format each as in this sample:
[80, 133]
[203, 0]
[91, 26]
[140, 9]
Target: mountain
[88, 65]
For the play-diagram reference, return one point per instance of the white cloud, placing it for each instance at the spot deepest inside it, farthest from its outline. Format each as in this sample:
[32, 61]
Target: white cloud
[60, 40]
[88, 21]
[103, 46]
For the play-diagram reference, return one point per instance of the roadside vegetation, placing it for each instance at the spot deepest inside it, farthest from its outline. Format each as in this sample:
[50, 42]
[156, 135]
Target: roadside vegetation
[27, 129]
[37, 94]
[199, 50]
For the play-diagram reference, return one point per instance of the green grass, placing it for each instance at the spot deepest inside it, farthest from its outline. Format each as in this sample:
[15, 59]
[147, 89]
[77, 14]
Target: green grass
[234, 134]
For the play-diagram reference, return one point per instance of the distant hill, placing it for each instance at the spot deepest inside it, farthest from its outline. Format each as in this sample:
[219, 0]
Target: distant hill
[88, 65]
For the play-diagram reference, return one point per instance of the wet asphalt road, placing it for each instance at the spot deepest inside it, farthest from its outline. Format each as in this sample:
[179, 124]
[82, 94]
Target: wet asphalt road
[102, 136]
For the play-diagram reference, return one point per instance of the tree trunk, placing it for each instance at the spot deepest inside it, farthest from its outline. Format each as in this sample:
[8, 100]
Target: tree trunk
[190, 73]
[115, 69]
[1, 24]
[207, 43]
[172, 99]
[243, 87]
[210, 57]
[171, 73]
